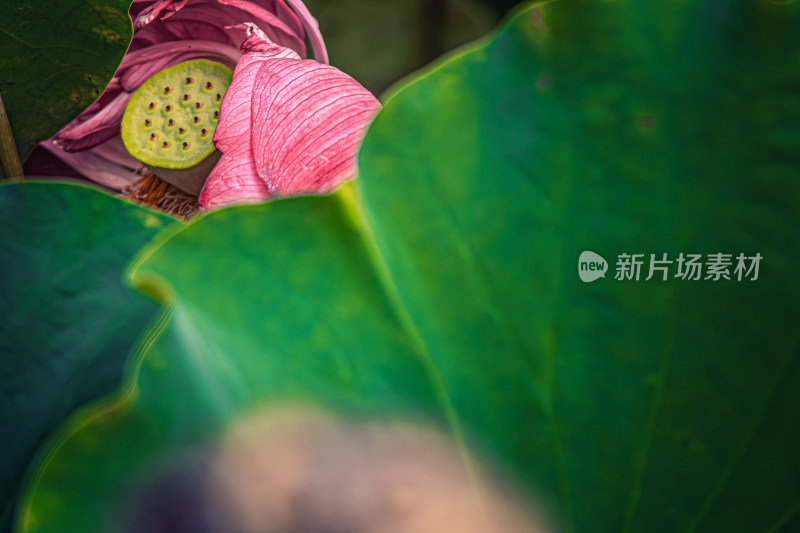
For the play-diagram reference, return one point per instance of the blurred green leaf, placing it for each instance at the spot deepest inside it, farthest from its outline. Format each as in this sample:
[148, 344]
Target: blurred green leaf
[56, 58]
[68, 320]
[447, 283]
[379, 42]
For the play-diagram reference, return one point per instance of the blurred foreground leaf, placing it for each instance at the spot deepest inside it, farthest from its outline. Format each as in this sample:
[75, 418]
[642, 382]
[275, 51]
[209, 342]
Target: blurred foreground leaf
[56, 58]
[68, 322]
[446, 283]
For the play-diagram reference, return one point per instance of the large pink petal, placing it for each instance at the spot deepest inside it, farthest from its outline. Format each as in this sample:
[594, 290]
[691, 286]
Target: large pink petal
[308, 123]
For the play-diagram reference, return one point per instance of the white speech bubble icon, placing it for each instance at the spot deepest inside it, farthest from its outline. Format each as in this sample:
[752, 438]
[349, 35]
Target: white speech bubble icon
[591, 266]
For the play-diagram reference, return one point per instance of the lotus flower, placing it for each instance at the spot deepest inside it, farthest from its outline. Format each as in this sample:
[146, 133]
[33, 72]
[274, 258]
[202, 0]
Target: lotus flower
[287, 125]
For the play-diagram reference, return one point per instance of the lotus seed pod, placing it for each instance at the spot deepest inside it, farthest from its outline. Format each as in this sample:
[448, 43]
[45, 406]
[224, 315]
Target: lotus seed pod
[170, 121]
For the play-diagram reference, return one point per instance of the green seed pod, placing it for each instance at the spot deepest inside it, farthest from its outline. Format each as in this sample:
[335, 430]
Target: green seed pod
[170, 121]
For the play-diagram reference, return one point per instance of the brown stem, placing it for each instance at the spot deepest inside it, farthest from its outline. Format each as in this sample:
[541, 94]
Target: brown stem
[10, 167]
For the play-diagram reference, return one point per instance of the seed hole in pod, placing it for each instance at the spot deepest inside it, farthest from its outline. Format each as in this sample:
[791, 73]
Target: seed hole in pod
[196, 119]
[165, 144]
[148, 122]
[189, 80]
[209, 85]
[198, 105]
[153, 137]
[167, 108]
[167, 90]
[152, 105]
[171, 122]
[216, 114]
[181, 130]
[218, 97]
[186, 97]
[186, 146]
[204, 132]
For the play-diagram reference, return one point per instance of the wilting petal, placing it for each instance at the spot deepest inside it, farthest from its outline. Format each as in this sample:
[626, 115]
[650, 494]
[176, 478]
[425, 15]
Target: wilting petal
[141, 65]
[107, 172]
[97, 128]
[114, 150]
[281, 26]
[294, 40]
[312, 29]
[161, 8]
[309, 120]
[258, 41]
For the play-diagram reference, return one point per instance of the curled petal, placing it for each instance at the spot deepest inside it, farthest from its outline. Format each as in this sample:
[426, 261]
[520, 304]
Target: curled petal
[273, 16]
[312, 28]
[160, 9]
[233, 128]
[96, 128]
[234, 178]
[294, 40]
[309, 120]
[113, 172]
[258, 41]
[139, 66]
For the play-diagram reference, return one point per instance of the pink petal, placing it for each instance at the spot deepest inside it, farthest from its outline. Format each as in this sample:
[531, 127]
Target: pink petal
[97, 128]
[114, 150]
[312, 28]
[286, 15]
[154, 30]
[139, 66]
[166, 7]
[234, 181]
[234, 177]
[295, 41]
[187, 30]
[95, 166]
[308, 123]
[258, 41]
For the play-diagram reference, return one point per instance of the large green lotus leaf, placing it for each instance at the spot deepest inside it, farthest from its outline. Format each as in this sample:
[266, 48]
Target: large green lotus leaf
[447, 283]
[56, 58]
[328, 333]
[68, 319]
